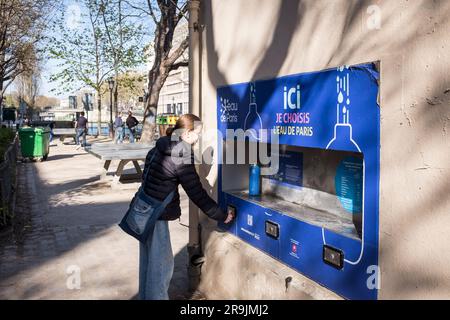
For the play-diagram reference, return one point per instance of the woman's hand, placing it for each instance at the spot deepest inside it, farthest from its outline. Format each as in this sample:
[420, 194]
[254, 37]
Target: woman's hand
[229, 218]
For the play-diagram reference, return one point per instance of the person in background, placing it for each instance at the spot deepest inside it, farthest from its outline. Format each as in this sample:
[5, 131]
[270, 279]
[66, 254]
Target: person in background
[19, 122]
[51, 126]
[131, 122]
[118, 129]
[81, 129]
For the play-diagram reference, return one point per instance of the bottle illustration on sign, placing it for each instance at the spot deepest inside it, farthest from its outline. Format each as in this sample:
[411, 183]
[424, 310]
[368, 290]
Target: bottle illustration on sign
[253, 122]
[343, 140]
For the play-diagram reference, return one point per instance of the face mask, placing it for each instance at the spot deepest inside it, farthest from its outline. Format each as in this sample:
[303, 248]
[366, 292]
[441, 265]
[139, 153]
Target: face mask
[196, 138]
[192, 137]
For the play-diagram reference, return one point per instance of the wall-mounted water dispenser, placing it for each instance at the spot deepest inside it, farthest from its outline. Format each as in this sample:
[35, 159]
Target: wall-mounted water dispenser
[315, 137]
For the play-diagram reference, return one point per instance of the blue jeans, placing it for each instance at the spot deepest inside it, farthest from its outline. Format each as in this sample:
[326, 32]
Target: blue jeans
[118, 136]
[80, 132]
[132, 132]
[156, 264]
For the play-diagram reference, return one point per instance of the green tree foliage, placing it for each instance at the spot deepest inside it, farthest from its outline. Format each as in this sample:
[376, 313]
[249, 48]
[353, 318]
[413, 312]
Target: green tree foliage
[22, 25]
[78, 45]
[101, 42]
[124, 35]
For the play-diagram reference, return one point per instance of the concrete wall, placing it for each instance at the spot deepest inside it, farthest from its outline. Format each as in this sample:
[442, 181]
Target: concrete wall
[257, 39]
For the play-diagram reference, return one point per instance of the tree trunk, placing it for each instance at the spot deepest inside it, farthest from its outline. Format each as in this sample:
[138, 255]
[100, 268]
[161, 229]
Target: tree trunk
[165, 60]
[156, 79]
[116, 100]
[149, 126]
[99, 116]
[116, 94]
[1, 96]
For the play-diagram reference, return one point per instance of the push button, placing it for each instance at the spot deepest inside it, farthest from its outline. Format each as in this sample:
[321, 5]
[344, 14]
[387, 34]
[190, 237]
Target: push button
[272, 229]
[333, 257]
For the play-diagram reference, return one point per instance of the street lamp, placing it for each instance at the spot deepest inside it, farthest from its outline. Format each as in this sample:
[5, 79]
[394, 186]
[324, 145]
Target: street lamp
[145, 96]
[172, 110]
[111, 87]
[86, 104]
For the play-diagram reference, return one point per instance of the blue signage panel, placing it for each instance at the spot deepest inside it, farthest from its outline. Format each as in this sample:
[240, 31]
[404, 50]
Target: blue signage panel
[335, 109]
[332, 109]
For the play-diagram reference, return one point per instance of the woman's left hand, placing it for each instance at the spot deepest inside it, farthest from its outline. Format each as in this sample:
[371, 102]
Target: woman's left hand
[230, 217]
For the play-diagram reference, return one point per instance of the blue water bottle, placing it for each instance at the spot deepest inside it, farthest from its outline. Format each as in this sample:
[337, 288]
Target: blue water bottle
[254, 180]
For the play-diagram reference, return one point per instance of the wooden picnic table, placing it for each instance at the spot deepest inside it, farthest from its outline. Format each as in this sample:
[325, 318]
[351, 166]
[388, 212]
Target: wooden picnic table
[124, 153]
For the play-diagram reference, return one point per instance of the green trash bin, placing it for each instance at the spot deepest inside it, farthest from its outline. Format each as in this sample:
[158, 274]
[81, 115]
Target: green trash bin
[35, 142]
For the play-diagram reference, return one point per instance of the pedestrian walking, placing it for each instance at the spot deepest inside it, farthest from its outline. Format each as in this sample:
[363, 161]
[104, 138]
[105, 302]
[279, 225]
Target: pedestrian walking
[81, 130]
[167, 165]
[51, 126]
[118, 129]
[19, 123]
[131, 122]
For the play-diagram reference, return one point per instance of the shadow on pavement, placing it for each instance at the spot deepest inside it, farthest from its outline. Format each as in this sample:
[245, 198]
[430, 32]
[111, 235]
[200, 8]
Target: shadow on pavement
[74, 223]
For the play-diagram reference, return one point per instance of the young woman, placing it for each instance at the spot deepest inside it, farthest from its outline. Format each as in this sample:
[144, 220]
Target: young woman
[172, 165]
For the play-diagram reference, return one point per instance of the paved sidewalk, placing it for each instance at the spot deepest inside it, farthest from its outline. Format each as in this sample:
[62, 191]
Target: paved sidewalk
[72, 239]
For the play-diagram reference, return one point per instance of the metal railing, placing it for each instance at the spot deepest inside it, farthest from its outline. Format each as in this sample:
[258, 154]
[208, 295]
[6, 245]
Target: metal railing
[8, 182]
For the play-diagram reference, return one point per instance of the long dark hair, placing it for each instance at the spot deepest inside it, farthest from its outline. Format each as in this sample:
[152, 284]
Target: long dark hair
[186, 122]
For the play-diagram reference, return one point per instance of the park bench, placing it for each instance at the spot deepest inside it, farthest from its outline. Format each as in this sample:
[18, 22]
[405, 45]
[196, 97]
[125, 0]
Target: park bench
[62, 129]
[124, 153]
[64, 133]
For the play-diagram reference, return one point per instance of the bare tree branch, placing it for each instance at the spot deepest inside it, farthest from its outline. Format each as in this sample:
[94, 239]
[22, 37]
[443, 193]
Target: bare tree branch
[166, 58]
[177, 65]
[178, 52]
[138, 8]
[183, 10]
[151, 11]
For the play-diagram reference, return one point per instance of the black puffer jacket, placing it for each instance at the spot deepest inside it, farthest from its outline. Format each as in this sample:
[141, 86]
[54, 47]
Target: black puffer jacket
[173, 165]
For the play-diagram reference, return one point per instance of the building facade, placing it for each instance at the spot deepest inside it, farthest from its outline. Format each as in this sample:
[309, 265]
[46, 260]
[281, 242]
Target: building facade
[267, 39]
[174, 95]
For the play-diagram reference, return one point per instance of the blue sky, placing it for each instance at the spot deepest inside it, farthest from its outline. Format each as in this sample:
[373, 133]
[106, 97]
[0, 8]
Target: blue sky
[46, 86]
